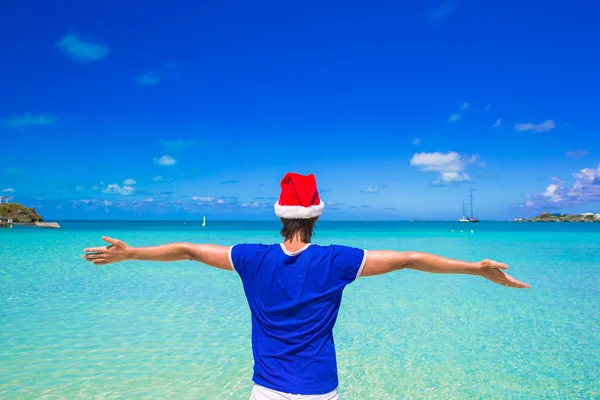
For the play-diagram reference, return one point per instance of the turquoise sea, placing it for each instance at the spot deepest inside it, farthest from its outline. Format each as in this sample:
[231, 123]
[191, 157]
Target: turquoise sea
[181, 330]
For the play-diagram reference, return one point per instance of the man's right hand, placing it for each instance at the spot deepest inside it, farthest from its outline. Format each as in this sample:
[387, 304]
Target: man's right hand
[115, 252]
[209, 254]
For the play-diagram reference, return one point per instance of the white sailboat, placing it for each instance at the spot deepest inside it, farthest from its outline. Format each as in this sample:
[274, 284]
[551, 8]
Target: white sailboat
[472, 217]
[463, 219]
[204, 221]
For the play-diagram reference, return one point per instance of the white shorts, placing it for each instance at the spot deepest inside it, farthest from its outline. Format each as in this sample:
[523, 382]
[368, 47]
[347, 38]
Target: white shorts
[263, 393]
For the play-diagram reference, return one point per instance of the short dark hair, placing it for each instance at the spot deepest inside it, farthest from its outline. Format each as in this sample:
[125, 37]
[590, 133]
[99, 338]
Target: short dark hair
[302, 227]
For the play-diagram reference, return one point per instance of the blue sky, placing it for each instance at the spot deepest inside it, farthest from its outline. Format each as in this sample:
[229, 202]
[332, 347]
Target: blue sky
[177, 110]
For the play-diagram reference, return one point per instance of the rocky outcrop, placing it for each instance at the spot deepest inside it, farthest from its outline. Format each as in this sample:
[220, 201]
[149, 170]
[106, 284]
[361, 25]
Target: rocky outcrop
[19, 213]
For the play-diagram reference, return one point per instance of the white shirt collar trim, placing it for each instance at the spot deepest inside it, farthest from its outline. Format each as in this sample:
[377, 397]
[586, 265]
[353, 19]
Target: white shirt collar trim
[294, 253]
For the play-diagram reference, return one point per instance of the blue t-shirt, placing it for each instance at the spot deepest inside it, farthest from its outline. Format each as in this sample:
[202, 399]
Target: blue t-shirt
[294, 299]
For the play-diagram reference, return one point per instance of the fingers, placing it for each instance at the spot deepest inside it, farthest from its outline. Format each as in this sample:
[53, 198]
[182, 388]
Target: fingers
[96, 259]
[512, 282]
[502, 266]
[494, 264]
[114, 242]
[509, 281]
[502, 278]
[103, 249]
[98, 255]
[95, 249]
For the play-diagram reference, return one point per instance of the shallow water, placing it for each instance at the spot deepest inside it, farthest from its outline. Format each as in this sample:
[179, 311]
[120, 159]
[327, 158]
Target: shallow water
[182, 330]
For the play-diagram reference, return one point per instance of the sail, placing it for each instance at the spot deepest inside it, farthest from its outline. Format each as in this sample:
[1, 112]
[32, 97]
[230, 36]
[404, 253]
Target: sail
[463, 218]
[472, 217]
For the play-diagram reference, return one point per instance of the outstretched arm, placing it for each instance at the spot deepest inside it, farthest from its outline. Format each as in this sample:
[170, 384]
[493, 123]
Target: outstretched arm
[210, 254]
[384, 261]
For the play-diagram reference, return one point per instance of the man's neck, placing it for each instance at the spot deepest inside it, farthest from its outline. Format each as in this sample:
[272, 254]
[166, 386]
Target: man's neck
[295, 244]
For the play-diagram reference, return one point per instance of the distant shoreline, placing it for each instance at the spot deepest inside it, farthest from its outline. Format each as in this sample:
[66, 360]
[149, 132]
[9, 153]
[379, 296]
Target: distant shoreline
[557, 217]
[570, 222]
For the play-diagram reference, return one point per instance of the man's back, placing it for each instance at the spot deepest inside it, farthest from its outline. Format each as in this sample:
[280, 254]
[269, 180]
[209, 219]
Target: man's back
[294, 298]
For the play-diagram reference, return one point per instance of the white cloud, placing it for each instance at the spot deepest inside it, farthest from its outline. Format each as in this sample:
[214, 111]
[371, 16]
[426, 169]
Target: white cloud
[457, 115]
[158, 178]
[114, 188]
[443, 162]
[129, 182]
[545, 126]
[204, 199]
[587, 185]
[488, 107]
[165, 160]
[416, 141]
[585, 189]
[80, 50]
[148, 78]
[528, 201]
[159, 204]
[79, 187]
[330, 203]
[463, 107]
[451, 166]
[370, 189]
[95, 187]
[451, 178]
[473, 159]
[577, 153]
[29, 119]
[8, 190]
[551, 193]
[498, 123]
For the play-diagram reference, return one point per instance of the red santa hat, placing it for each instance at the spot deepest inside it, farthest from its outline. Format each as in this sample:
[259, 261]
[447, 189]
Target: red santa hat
[299, 197]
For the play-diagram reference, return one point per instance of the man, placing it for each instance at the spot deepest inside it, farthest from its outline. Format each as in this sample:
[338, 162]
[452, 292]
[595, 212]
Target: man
[294, 290]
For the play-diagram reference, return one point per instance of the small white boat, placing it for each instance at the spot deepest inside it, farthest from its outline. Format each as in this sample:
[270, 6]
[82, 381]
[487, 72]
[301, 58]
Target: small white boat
[463, 219]
[472, 217]
[204, 221]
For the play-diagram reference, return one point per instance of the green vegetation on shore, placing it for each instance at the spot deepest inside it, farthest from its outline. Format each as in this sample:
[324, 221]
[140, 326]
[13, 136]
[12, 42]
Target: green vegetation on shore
[548, 217]
[19, 213]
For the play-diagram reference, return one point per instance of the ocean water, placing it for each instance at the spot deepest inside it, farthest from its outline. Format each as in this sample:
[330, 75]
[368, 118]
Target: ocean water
[72, 330]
